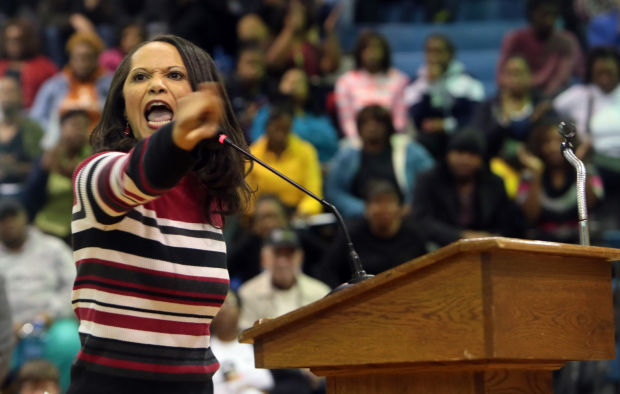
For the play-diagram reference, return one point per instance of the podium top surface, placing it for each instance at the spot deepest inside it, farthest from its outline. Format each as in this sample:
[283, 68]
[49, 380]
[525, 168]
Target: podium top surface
[465, 246]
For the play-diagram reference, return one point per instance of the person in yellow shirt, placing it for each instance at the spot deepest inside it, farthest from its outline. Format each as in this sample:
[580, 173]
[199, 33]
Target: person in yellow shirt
[291, 155]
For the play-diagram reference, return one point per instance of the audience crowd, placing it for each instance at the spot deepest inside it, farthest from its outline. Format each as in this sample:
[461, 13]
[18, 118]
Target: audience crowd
[412, 163]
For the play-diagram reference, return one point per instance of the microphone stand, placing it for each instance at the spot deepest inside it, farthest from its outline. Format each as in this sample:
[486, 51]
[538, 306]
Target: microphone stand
[355, 262]
[568, 132]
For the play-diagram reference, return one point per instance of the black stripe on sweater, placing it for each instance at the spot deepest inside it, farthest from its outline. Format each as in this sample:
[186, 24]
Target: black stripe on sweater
[152, 222]
[162, 295]
[157, 354]
[197, 285]
[143, 376]
[126, 242]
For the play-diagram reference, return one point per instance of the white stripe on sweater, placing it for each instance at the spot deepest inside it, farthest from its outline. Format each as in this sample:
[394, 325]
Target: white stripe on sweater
[150, 264]
[144, 337]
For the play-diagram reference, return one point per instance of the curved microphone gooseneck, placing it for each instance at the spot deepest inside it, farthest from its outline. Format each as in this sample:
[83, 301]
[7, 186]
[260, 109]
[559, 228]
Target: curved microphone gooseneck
[568, 131]
[355, 264]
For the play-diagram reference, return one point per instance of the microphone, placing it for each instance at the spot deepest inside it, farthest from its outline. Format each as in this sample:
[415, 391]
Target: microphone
[568, 131]
[355, 263]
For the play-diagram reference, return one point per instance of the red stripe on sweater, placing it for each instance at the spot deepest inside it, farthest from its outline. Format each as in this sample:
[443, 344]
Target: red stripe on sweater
[149, 288]
[142, 323]
[146, 296]
[159, 368]
[153, 272]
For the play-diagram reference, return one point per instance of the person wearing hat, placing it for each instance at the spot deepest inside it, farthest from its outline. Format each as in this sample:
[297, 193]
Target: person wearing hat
[279, 289]
[461, 198]
[282, 286]
[383, 236]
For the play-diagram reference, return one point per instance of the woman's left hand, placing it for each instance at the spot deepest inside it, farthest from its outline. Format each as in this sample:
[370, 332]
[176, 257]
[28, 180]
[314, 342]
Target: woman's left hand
[198, 116]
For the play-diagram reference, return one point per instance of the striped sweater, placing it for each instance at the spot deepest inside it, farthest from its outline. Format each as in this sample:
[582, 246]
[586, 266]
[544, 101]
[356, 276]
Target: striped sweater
[151, 270]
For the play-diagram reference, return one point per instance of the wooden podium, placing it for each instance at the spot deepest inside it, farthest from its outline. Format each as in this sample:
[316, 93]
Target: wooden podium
[490, 315]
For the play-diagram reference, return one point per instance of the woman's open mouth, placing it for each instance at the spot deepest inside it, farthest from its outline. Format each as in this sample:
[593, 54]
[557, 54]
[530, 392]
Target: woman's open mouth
[157, 114]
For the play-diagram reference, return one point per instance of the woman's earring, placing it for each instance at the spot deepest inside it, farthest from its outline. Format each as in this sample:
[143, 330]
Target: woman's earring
[127, 130]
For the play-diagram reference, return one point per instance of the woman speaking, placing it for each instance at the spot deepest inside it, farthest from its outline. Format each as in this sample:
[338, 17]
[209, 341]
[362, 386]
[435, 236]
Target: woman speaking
[147, 218]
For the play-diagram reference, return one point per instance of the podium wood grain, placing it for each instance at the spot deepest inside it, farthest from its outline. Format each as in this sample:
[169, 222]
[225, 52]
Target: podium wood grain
[483, 314]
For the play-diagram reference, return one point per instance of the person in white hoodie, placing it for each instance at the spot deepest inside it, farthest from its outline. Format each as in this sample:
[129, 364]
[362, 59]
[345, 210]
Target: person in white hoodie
[443, 97]
[594, 106]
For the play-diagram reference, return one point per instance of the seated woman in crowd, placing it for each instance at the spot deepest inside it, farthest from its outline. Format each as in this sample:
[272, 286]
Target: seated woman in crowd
[461, 198]
[594, 106]
[286, 152]
[547, 193]
[20, 139]
[383, 155]
[19, 55]
[82, 84]
[383, 236]
[443, 97]
[308, 124]
[506, 119]
[373, 81]
[48, 195]
[298, 43]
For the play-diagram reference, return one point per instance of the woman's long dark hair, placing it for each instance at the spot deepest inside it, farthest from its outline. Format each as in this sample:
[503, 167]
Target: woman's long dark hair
[222, 170]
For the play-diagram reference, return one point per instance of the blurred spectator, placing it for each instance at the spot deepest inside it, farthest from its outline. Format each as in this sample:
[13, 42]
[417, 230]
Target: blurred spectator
[131, 34]
[374, 81]
[286, 152]
[49, 191]
[308, 123]
[20, 56]
[63, 18]
[595, 108]
[82, 84]
[553, 54]
[282, 286]
[7, 337]
[249, 86]
[252, 30]
[20, 139]
[548, 190]
[383, 155]
[603, 29]
[443, 97]
[298, 43]
[506, 119]
[38, 377]
[237, 373]
[39, 272]
[383, 237]
[461, 198]
[269, 214]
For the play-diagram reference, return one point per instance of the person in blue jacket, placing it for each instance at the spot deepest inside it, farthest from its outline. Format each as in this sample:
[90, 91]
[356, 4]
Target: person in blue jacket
[383, 154]
[308, 124]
